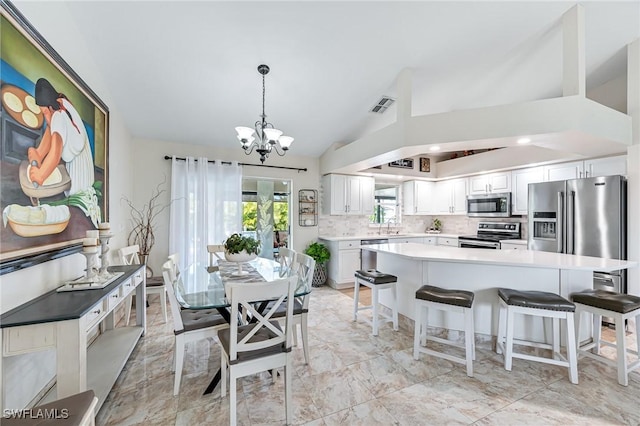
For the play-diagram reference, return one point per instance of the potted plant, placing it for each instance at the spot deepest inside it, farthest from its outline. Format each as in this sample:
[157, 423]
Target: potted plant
[321, 254]
[239, 248]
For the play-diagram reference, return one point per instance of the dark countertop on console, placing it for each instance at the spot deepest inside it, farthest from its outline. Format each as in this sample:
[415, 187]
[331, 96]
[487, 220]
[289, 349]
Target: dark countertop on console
[68, 305]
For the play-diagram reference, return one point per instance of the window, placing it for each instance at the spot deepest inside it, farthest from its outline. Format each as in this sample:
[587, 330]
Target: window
[386, 204]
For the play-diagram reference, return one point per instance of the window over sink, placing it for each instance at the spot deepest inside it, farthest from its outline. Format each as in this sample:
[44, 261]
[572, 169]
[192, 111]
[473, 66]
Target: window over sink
[386, 207]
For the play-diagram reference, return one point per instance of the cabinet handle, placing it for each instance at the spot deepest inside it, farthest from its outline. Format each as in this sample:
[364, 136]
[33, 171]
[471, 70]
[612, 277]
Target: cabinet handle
[586, 173]
[579, 174]
[486, 187]
[490, 188]
[97, 311]
[115, 296]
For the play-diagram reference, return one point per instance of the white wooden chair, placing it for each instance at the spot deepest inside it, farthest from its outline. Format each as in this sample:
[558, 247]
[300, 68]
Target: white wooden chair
[287, 260]
[189, 325]
[214, 252]
[304, 269]
[175, 266]
[129, 256]
[260, 346]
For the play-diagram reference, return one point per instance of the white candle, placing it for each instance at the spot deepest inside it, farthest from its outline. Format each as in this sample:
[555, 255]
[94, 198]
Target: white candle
[92, 234]
[89, 242]
[103, 225]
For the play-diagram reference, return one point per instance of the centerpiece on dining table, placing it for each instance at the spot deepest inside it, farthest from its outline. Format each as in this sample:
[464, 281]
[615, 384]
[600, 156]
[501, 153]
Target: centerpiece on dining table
[239, 248]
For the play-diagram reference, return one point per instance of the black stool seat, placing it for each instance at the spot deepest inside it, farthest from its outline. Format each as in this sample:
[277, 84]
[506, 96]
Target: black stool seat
[154, 281]
[441, 295]
[536, 300]
[376, 277]
[609, 300]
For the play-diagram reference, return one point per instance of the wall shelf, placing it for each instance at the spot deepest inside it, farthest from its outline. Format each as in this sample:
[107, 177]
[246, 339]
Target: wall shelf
[308, 207]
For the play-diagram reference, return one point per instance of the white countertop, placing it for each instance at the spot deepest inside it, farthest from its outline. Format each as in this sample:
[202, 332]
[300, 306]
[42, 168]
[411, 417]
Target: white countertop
[384, 236]
[526, 258]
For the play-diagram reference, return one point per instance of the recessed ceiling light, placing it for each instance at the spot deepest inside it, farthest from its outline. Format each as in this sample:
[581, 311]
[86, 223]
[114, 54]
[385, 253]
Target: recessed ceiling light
[522, 141]
[435, 148]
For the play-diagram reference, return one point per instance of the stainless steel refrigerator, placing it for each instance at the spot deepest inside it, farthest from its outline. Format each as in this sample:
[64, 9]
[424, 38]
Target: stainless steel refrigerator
[586, 217]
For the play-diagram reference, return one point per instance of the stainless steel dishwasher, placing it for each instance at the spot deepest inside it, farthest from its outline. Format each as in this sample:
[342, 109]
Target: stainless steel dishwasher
[368, 258]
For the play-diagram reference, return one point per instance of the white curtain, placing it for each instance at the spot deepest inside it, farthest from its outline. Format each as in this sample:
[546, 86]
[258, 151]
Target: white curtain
[206, 206]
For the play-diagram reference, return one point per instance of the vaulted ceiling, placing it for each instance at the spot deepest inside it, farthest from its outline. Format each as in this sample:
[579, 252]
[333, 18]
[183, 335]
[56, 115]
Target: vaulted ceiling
[186, 71]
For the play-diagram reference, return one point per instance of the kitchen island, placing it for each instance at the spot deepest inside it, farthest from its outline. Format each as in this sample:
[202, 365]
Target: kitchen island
[483, 272]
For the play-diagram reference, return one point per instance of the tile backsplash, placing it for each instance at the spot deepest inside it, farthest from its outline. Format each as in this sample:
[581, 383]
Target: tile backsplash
[337, 226]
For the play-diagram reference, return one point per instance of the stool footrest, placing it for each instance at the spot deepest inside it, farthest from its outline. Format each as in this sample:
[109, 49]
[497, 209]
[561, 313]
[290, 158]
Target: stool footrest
[561, 362]
[448, 357]
[444, 341]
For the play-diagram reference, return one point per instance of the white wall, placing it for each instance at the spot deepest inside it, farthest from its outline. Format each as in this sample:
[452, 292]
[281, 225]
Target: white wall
[150, 154]
[26, 375]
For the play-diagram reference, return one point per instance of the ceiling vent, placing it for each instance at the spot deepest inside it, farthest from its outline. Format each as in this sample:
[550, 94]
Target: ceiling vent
[382, 105]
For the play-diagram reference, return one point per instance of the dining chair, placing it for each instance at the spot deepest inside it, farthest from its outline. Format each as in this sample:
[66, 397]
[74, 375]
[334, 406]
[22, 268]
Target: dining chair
[287, 259]
[189, 325]
[304, 269]
[175, 266]
[129, 256]
[214, 252]
[260, 345]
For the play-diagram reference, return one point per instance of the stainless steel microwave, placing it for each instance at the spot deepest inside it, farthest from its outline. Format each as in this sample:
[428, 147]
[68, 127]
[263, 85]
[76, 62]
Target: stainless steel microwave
[489, 205]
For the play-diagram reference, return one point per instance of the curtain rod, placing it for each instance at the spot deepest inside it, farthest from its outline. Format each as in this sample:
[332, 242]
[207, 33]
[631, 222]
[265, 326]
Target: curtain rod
[167, 157]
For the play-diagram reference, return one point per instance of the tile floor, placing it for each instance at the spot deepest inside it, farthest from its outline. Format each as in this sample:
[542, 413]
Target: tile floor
[357, 379]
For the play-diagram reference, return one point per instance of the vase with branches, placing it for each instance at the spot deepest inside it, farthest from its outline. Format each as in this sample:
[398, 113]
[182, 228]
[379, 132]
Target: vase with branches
[143, 221]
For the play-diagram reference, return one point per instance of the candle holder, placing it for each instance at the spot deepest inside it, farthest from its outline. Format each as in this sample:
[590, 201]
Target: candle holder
[104, 257]
[91, 256]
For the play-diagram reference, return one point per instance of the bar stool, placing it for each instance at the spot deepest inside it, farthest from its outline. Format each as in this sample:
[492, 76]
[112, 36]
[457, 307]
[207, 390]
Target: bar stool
[376, 281]
[618, 306]
[541, 304]
[459, 301]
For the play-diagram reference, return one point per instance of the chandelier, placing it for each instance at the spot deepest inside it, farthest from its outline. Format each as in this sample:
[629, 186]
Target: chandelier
[267, 138]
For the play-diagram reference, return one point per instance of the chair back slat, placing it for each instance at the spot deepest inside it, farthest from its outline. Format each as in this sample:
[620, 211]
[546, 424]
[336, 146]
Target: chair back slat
[174, 260]
[129, 255]
[306, 266]
[246, 295]
[287, 260]
[173, 301]
[214, 251]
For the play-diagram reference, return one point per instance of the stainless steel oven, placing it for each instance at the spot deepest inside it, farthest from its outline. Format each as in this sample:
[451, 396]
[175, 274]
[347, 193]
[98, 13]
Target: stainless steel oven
[489, 205]
[489, 234]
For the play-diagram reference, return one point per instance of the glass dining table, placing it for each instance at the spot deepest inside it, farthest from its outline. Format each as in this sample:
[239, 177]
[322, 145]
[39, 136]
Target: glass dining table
[203, 287]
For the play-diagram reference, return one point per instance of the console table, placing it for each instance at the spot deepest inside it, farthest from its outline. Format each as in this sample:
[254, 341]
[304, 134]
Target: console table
[62, 321]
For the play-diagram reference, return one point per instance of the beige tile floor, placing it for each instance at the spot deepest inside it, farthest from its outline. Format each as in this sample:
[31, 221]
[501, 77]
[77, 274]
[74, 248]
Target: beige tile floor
[357, 379]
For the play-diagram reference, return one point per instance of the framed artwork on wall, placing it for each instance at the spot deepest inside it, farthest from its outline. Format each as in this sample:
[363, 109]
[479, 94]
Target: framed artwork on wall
[425, 164]
[405, 163]
[53, 149]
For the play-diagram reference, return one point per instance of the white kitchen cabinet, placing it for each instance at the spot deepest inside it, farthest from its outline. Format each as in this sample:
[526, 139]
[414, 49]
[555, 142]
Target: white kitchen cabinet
[417, 196]
[491, 182]
[447, 241]
[520, 180]
[451, 197]
[344, 261]
[520, 245]
[347, 195]
[419, 240]
[606, 166]
[564, 171]
[432, 241]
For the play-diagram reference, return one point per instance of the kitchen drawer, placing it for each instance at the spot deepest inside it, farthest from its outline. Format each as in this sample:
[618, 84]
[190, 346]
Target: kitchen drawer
[96, 313]
[447, 241]
[431, 240]
[348, 244]
[513, 246]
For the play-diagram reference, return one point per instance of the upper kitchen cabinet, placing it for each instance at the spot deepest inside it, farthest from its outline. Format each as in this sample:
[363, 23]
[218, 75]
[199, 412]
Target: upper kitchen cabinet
[606, 166]
[564, 171]
[588, 168]
[347, 195]
[520, 180]
[451, 197]
[487, 183]
[417, 196]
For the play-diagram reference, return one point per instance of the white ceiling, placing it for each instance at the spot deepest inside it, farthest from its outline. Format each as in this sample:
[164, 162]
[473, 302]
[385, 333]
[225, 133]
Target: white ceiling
[186, 71]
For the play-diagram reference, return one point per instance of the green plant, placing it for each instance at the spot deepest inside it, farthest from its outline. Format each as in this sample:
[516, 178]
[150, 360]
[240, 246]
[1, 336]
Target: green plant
[237, 243]
[437, 225]
[319, 252]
